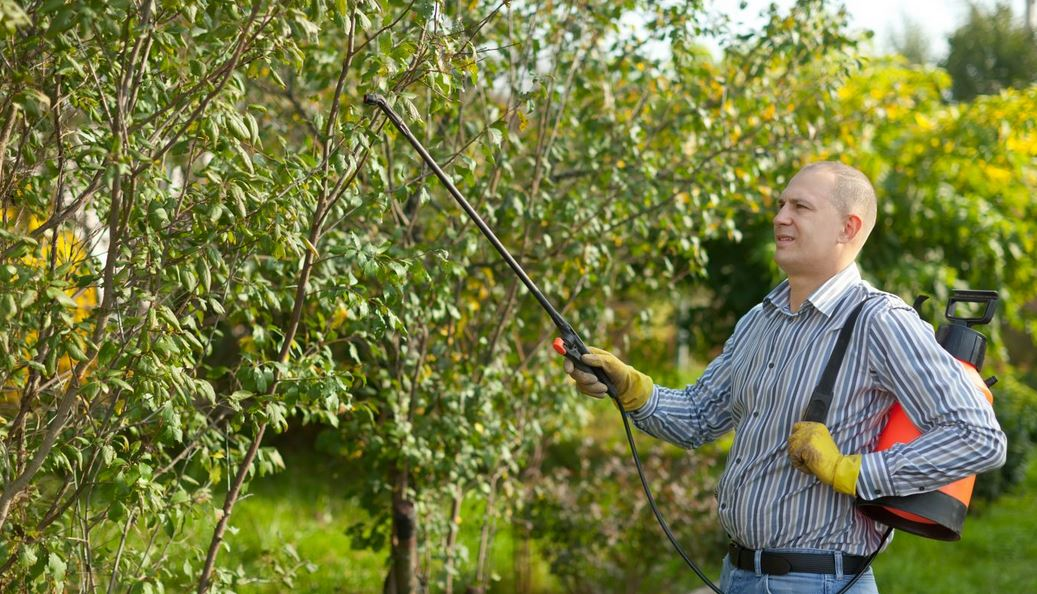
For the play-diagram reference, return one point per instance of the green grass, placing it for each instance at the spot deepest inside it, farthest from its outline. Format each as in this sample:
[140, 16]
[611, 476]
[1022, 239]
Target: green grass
[303, 509]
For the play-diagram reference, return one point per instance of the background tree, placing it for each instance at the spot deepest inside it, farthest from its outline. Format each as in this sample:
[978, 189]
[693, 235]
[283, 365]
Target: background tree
[992, 51]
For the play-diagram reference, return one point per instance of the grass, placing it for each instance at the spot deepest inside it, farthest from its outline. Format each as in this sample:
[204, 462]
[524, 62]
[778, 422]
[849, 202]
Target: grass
[302, 508]
[299, 518]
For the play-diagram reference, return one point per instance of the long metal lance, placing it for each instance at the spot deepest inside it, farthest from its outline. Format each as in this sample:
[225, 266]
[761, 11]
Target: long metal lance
[374, 99]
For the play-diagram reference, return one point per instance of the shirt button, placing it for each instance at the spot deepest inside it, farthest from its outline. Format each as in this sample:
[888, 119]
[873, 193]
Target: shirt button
[756, 413]
[723, 506]
[770, 365]
[738, 460]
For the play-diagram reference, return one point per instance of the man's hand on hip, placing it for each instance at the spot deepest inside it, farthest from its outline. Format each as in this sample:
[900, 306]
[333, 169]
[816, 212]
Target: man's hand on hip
[633, 387]
[812, 450]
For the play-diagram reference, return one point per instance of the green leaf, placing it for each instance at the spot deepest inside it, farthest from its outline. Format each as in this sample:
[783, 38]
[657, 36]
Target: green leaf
[8, 307]
[158, 217]
[56, 567]
[170, 318]
[107, 353]
[495, 136]
[107, 454]
[75, 351]
[61, 297]
[207, 390]
[246, 160]
[237, 127]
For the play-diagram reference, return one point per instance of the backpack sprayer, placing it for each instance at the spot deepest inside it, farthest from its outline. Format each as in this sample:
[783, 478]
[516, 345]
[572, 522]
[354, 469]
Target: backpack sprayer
[937, 514]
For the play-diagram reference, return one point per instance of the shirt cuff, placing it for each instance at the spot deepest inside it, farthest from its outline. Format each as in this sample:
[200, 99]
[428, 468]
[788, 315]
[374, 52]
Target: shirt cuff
[874, 480]
[648, 408]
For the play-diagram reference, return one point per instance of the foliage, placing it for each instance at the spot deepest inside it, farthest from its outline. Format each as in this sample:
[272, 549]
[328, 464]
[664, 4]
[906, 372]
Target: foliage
[598, 531]
[137, 167]
[955, 185]
[992, 51]
[583, 149]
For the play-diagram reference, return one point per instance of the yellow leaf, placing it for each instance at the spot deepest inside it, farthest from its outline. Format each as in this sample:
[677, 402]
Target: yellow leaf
[523, 122]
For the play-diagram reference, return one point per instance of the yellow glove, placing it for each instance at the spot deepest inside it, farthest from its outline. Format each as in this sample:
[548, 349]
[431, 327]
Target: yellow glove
[633, 386]
[812, 449]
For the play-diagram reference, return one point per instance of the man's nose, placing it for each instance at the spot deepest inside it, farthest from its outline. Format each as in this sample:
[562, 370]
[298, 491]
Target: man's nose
[782, 216]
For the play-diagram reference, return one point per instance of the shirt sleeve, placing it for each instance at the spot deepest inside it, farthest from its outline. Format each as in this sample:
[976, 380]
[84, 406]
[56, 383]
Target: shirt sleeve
[700, 412]
[960, 435]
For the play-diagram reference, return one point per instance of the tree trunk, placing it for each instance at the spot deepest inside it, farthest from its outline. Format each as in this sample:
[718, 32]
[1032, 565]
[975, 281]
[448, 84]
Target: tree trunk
[451, 539]
[403, 570]
[521, 556]
[486, 536]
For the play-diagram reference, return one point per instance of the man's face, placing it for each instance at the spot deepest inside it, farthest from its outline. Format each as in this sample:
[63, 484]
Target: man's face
[808, 226]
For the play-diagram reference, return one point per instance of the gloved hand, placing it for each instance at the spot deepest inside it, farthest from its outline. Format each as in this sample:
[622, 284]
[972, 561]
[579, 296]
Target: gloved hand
[812, 449]
[633, 386]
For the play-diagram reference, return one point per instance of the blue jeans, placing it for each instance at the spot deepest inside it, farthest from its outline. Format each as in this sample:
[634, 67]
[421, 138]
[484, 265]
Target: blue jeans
[740, 581]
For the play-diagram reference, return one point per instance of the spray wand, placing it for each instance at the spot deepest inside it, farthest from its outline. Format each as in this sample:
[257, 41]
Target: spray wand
[569, 344]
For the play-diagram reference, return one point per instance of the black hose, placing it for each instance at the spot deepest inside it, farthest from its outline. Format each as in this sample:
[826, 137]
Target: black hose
[655, 510]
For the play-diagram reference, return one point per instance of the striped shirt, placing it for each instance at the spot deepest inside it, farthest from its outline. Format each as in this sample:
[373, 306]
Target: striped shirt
[761, 382]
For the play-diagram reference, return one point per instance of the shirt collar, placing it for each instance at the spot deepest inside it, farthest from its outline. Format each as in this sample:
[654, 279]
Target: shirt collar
[824, 298]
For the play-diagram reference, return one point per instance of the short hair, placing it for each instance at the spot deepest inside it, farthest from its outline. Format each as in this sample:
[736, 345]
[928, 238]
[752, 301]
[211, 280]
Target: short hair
[853, 191]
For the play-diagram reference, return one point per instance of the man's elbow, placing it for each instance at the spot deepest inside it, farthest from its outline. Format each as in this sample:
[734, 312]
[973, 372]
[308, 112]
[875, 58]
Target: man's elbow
[993, 456]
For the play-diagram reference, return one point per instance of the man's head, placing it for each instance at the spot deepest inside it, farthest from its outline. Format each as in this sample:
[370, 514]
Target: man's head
[825, 215]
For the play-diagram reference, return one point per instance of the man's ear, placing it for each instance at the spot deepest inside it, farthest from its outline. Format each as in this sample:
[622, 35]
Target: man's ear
[851, 227]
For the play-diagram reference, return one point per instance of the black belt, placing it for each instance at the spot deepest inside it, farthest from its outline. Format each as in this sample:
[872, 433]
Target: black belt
[773, 563]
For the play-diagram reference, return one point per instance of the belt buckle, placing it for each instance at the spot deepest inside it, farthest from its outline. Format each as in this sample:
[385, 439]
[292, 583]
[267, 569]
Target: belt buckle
[772, 564]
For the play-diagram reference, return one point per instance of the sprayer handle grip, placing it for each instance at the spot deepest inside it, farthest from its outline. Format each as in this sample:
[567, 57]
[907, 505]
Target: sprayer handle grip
[571, 347]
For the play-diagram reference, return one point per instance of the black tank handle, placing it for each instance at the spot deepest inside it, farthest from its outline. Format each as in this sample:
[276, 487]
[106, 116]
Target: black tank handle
[989, 298]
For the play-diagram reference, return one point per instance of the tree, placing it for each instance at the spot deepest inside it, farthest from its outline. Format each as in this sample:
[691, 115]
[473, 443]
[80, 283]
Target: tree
[134, 166]
[603, 169]
[990, 52]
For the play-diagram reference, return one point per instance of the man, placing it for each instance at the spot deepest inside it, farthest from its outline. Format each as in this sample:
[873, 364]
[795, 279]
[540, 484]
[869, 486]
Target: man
[788, 489]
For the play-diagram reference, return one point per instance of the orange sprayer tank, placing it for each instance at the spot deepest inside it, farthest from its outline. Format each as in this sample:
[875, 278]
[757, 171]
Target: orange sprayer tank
[937, 514]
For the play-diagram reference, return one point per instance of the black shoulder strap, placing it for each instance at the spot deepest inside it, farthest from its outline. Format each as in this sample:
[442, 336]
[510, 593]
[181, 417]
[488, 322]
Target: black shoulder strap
[821, 399]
